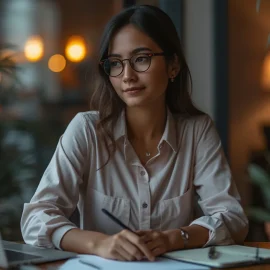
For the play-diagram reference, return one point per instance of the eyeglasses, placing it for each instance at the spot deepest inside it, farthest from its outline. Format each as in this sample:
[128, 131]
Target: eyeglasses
[139, 62]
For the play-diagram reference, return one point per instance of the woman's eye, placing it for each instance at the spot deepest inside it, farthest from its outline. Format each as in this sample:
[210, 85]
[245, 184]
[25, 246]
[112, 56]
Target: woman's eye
[141, 59]
[115, 64]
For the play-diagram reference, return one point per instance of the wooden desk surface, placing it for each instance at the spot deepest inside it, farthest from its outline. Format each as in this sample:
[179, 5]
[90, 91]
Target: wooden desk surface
[56, 265]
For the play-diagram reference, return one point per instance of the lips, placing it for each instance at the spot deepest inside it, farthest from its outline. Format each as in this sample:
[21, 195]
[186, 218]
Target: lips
[133, 89]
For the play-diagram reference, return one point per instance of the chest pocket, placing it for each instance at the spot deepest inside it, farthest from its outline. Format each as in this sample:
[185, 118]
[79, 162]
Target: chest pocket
[177, 211]
[119, 207]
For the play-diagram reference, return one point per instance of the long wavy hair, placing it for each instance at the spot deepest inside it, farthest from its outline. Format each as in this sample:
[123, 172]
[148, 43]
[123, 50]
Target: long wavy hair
[159, 27]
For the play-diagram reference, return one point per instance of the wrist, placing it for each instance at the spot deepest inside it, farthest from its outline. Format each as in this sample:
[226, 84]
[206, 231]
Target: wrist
[175, 241]
[94, 246]
[197, 235]
[82, 241]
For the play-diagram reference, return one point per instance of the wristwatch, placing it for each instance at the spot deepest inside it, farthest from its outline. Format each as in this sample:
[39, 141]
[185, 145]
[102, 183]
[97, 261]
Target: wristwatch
[185, 237]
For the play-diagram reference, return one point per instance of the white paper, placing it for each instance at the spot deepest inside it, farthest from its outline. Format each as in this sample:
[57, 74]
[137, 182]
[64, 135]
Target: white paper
[104, 264]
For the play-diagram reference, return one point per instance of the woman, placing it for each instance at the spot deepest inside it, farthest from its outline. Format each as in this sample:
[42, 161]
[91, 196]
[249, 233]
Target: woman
[142, 157]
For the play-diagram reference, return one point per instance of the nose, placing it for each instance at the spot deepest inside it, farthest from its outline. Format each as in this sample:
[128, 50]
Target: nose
[128, 73]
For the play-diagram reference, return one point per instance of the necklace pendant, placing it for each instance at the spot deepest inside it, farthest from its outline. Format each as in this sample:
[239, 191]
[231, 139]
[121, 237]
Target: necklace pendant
[147, 154]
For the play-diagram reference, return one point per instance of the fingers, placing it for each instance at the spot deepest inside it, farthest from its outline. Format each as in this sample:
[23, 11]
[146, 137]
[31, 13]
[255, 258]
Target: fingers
[153, 244]
[129, 255]
[136, 241]
[145, 250]
[158, 251]
[145, 236]
[152, 236]
[118, 256]
[155, 241]
[130, 246]
[112, 251]
[129, 251]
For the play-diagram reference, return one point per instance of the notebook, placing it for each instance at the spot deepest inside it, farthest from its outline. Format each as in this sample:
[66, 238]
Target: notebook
[226, 256]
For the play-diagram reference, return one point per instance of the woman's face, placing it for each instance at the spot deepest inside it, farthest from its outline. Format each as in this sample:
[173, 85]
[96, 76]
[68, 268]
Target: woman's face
[139, 88]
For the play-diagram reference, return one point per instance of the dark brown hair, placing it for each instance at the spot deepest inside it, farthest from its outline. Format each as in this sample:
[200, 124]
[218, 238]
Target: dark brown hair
[159, 27]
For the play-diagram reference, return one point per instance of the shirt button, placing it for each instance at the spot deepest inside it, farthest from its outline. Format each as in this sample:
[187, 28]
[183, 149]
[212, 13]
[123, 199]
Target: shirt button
[144, 205]
[142, 173]
[160, 146]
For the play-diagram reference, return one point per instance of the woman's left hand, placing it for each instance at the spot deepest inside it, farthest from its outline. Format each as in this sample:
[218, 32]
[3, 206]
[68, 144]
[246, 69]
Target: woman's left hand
[157, 241]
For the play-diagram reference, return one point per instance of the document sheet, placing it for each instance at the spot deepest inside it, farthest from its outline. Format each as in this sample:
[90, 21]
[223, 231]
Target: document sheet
[97, 263]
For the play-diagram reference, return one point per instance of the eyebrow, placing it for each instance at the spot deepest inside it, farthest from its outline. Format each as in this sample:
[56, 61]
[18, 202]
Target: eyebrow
[137, 50]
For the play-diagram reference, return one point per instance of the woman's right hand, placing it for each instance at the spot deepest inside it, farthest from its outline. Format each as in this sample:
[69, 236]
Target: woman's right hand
[123, 246]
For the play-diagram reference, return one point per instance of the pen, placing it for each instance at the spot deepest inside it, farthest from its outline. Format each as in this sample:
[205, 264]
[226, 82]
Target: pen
[212, 253]
[116, 220]
[257, 253]
[257, 257]
[89, 264]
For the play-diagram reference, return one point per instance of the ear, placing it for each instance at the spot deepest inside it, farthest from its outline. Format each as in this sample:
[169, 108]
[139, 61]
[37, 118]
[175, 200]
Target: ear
[174, 67]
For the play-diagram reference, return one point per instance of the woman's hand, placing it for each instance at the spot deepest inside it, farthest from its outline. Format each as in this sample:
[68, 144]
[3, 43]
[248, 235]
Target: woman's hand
[123, 246]
[157, 242]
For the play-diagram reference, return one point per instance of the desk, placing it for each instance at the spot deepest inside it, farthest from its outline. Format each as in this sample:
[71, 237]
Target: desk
[56, 265]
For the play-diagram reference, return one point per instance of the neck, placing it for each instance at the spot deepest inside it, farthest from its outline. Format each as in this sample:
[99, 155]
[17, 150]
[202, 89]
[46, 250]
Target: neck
[145, 124]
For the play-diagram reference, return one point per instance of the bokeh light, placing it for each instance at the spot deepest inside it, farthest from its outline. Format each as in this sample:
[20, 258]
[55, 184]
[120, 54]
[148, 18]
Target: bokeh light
[75, 49]
[34, 49]
[57, 63]
[266, 73]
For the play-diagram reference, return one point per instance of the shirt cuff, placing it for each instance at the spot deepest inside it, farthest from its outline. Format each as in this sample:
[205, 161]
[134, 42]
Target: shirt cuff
[59, 233]
[218, 232]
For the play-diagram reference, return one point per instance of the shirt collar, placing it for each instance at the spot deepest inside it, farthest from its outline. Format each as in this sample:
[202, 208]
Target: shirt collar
[120, 129]
[170, 132]
[169, 135]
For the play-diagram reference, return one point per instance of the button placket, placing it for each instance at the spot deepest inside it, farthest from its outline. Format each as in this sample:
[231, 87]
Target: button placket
[145, 200]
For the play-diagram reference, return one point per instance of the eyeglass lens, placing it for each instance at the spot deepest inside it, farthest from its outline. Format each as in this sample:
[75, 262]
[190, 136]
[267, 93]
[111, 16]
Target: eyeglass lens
[114, 67]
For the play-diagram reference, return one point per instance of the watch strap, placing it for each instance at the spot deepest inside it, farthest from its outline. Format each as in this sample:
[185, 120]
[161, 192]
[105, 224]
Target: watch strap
[185, 237]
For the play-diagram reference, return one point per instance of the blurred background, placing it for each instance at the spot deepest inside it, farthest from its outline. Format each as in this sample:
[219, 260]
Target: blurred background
[48, 49]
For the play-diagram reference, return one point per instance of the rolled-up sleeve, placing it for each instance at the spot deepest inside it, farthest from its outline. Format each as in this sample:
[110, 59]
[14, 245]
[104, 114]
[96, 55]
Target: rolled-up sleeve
[45, 219]
[218, 195]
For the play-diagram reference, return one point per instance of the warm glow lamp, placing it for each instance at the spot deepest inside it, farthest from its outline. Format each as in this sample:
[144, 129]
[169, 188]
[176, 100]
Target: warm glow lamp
[75, 49]
[265, 80]
[34, 49]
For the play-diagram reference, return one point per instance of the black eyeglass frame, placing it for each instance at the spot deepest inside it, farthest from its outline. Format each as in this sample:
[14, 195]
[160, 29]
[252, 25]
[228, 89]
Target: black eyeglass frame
[129, 60]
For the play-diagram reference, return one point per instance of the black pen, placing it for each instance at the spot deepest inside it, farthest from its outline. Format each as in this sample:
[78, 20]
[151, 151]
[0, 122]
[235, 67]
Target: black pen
[116, 220]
